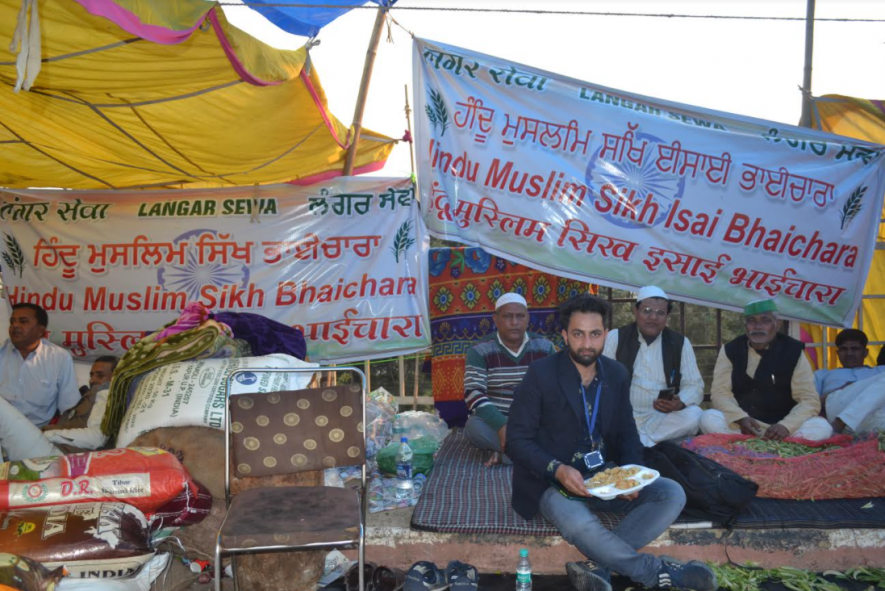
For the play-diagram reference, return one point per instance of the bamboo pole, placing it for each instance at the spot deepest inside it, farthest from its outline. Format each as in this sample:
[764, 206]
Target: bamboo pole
[368, 376]
[364, 89]
[409, 127]
[417, 381]
[401, 369]
[809, 54]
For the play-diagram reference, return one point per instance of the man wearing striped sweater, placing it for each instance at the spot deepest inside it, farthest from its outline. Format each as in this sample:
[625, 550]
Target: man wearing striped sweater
[494, 367]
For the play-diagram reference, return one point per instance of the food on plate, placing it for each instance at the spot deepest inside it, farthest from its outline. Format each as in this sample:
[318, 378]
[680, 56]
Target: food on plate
[625, 484]
[648, 476]
[614, 476]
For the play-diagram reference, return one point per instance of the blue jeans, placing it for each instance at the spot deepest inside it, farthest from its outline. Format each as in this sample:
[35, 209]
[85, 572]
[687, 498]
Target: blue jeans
[649, 515]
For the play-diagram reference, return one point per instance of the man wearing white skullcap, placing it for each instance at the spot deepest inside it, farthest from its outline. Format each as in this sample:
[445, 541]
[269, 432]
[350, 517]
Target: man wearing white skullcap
[494, 367]
[666, 388]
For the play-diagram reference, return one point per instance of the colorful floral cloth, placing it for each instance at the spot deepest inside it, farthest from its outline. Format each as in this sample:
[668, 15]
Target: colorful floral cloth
[464, 285]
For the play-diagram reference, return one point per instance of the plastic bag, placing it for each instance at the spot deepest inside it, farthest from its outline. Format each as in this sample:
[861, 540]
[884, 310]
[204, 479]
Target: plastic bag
[423, 450]
[380, 410]
[417, 424]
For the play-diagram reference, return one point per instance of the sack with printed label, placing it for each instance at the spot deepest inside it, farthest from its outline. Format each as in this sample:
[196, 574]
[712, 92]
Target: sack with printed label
[192, 393]
[90, 540]
[147, 478]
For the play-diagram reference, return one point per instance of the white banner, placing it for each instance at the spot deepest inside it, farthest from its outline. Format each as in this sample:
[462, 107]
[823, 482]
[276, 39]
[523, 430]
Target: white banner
[345, 261]
[624, 190]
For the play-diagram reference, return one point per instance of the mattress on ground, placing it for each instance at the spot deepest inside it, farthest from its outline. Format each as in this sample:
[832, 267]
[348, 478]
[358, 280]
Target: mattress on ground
[463, 496]
[827, 514]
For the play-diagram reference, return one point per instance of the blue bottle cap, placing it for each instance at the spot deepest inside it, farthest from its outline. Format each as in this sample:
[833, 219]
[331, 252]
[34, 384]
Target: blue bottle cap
[524, 553]
[404, 439]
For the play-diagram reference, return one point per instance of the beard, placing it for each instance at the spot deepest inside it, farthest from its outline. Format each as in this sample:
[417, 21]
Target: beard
[585, 357]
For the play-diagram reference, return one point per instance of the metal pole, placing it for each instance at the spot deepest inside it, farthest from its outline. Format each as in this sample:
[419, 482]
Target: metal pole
[364, 89]
[806, 80]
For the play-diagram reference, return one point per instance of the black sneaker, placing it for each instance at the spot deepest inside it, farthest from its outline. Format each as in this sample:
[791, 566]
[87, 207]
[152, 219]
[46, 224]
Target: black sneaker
[694, 575]
[461, 577]
[425, 576]
[584, 577]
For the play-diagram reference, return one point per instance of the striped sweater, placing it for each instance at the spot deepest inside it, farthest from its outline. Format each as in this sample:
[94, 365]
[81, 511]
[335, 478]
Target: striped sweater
[492, 372]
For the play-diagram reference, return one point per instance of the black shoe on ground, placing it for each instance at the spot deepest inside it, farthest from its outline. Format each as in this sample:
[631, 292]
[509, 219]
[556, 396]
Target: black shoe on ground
[693, 575]
[425, 576]
[584, 577]
[461, 576]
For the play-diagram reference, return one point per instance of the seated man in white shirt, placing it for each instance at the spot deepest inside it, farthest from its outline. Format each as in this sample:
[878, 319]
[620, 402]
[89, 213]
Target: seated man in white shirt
[666, 388]
[36, 377]
[851, 406]
[79, 429]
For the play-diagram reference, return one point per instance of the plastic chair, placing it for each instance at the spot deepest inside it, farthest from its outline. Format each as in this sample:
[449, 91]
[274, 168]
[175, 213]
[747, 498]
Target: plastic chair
[285, 433]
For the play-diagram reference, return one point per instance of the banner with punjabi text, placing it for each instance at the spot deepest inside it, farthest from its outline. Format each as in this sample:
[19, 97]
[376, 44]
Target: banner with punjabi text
[623, 190]
[344, 260]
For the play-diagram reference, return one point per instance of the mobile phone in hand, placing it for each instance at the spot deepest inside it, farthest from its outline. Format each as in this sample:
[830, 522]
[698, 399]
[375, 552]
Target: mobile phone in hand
[667, 394]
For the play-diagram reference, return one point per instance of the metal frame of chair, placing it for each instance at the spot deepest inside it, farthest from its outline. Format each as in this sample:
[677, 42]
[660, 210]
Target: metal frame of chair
[360, 543]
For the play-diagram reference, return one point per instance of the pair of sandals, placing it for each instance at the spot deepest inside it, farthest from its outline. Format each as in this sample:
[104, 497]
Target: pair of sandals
[376, 578]
[426, 576]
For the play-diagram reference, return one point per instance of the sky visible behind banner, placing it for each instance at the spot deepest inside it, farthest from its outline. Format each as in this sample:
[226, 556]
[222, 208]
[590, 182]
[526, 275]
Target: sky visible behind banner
[344, 260]
[624, 190]
[749, 66]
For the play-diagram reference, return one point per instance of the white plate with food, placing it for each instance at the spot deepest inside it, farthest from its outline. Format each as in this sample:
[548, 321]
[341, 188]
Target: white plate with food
[622, 480]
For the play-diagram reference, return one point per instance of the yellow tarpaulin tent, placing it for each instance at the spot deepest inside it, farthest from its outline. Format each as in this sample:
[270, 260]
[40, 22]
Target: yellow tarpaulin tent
[110, 109]
[864, 120]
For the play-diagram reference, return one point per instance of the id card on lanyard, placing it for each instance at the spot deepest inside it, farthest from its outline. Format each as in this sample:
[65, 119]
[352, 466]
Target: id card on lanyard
[593, 459]
[591, 422]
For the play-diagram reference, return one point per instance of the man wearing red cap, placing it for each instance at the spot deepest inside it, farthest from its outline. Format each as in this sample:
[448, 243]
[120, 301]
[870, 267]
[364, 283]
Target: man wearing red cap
[763, 385]
[494, 367]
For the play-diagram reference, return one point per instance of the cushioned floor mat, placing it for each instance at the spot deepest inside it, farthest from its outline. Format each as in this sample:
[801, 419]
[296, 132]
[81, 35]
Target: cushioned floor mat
[464, 496]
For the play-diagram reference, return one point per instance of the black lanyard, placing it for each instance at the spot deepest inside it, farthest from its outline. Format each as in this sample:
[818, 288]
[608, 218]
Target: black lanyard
[591, 422]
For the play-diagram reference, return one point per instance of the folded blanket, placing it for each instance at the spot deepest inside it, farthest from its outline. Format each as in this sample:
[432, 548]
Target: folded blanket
[208, 340]
[265, 336]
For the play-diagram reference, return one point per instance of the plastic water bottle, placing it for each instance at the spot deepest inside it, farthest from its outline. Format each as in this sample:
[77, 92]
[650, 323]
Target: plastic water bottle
[398, 431]
[524, 572]
[404, 484]
[418, 482]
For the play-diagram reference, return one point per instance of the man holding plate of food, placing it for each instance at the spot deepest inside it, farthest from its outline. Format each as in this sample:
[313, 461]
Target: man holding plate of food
[570, 419]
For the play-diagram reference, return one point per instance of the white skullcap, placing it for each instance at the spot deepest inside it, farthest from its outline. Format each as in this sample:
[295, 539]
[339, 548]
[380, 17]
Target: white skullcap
[510, 298]
[651, 291]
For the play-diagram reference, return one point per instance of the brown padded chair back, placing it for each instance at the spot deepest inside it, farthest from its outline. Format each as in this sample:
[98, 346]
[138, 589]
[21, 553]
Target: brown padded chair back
[294, 431]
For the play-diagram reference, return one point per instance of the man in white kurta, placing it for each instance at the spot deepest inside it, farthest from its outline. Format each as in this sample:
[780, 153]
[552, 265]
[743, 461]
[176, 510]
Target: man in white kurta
[854, 394]
[658, 419]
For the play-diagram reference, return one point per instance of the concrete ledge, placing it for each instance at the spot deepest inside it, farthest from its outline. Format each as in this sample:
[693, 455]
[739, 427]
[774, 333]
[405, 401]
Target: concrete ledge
[392, 542]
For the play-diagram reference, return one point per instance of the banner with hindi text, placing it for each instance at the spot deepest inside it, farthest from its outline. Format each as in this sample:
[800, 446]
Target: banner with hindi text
[624, 190]
[345, 261]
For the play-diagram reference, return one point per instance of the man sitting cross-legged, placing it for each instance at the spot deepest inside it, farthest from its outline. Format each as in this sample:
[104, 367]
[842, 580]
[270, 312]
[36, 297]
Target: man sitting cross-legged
[78, 429]
[570, 415]
[762, 383]
[493, 368]
[666, 389]
[854, 394]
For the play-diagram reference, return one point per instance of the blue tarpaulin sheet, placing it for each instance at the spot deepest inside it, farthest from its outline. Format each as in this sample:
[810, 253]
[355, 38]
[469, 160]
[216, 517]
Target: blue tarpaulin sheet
[309, 16]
